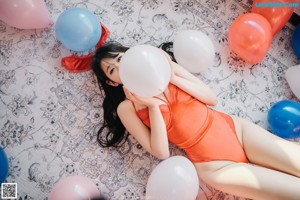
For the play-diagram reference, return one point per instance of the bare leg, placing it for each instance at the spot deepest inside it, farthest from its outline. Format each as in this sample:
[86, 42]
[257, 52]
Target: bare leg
[275, 174]
[250, 181]
[264, 148]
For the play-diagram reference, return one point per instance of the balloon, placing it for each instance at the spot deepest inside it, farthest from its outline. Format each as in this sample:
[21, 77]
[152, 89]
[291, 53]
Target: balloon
[145, 70]
[174, 178]
[296, 41]
[3, 166]
[278, 14]
[284, 119]
[292, 76]
[78, 29]
[250, 37]
[25, 14]
[193, 50]
[74, 188]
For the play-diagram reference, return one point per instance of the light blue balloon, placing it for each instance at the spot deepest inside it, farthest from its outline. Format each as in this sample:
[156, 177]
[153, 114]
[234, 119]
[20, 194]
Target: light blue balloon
[78, 29]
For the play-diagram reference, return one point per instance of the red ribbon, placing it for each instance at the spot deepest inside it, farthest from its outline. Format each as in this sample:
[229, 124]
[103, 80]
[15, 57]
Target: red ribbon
[83, 63]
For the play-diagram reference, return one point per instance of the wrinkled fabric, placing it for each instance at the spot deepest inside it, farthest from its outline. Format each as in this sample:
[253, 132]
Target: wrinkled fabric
[75, 63]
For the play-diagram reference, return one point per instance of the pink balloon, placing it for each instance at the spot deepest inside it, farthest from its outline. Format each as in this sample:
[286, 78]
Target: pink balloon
[25, 14]
[74, 188]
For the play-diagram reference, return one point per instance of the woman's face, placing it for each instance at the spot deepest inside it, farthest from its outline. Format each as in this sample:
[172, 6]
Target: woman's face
[110, 67]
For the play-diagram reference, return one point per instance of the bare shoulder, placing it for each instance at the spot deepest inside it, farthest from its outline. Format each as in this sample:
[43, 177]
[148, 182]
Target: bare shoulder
[125, 107]
[128, 115]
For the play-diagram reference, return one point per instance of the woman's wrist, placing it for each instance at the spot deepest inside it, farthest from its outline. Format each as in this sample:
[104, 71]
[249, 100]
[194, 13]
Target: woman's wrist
[153, 106]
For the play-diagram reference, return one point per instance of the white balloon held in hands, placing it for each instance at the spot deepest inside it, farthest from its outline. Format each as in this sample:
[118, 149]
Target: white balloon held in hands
[193, 50]
[145, 70]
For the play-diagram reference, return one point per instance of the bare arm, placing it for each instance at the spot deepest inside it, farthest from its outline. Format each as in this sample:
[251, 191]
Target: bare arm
[192, 85]
[184, 73]
[186, 81]
[155, 139]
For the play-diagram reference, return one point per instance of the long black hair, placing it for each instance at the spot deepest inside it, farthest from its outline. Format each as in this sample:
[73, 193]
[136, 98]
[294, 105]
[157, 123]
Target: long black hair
[168, 47]
[113, 132]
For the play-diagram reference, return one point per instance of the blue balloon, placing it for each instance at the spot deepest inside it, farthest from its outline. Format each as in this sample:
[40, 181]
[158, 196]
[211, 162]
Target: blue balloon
[3, 166]
[284, 119]
[296, 41]
[78, 29]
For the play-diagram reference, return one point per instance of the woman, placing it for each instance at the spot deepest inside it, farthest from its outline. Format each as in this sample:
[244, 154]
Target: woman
[230, 154]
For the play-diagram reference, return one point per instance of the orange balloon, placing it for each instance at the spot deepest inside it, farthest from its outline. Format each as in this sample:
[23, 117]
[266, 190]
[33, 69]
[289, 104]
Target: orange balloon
[276, 12]
[250, 37]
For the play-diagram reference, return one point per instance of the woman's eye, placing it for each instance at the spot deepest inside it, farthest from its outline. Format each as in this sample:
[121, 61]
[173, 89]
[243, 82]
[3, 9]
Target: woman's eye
[119, 58]
[112, 70]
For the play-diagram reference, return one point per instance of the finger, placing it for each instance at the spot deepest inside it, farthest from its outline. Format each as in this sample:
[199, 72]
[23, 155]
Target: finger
[125, 89]
[129, 94]
[139, 99]
[128, 91]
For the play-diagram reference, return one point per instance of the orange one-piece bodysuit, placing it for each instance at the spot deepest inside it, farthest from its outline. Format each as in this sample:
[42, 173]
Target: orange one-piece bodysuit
[203, 133]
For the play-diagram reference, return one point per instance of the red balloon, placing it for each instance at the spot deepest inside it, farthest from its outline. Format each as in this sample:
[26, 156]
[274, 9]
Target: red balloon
[277, 13]
[250, 37]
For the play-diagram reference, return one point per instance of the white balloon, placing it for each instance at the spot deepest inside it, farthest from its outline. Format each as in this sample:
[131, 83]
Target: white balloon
[145, 70]
[174, 178]
[194, 50]
[292, 76]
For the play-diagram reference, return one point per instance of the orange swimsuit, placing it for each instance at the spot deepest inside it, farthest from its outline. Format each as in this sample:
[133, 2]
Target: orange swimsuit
[204, 134]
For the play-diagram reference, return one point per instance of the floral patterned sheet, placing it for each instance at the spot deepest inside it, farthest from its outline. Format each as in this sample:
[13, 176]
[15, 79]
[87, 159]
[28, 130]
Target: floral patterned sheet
[49, 117]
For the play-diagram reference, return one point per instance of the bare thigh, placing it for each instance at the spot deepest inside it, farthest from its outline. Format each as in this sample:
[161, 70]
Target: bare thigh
[250, 181]
[266, 149]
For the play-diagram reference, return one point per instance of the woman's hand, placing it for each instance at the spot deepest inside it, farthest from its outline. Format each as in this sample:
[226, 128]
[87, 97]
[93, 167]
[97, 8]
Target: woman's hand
[155, 139]
[185, 80]
[146, 101]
